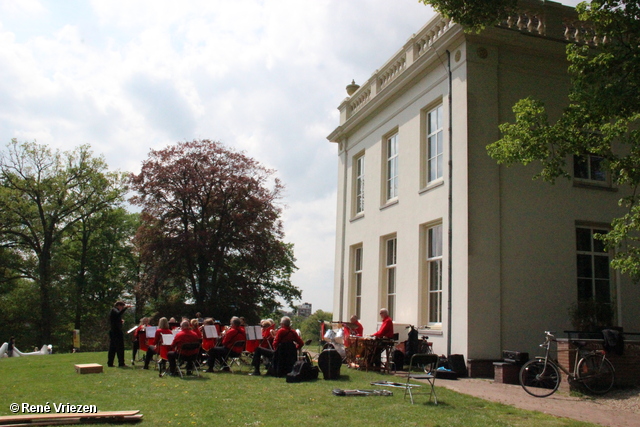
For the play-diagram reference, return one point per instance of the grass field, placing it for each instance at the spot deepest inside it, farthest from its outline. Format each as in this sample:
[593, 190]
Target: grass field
[237, 399]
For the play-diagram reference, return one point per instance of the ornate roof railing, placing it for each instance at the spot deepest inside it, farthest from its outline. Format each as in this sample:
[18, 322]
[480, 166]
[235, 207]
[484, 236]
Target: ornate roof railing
[546, 19]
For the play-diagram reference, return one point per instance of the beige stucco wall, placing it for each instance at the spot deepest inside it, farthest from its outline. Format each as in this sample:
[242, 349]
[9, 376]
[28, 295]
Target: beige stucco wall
[402, 218]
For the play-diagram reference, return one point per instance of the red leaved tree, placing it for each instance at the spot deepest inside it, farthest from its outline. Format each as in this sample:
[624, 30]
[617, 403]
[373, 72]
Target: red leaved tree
[211, 229]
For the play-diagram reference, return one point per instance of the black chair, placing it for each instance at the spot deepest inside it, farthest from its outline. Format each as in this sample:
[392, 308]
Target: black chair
[190, 358]
[284, 358]
[236, 356]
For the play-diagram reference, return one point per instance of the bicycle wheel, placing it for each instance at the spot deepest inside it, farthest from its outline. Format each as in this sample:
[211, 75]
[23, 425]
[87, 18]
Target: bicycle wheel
[538, 380]
[596, 373]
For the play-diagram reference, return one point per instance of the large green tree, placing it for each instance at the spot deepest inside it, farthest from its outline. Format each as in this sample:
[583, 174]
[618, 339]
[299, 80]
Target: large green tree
[601, 120]
[98, 263]
[211, 229]
[44, 195]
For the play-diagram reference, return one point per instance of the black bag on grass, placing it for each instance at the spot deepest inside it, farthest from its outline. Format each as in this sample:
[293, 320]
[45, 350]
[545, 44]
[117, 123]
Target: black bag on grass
[302, 371]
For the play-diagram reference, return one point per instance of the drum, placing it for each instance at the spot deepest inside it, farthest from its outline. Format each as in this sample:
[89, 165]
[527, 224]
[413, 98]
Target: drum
[340, 349]
[330, 335]
[355, 352]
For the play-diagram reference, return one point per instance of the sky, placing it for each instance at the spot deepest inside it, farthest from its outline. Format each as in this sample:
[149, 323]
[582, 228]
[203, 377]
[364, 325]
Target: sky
[261, 76]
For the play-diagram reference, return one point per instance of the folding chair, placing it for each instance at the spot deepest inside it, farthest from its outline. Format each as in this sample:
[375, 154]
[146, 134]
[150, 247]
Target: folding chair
[427, 365]
[163, 356]
[142, 345]
[236, 356]
[188, 353]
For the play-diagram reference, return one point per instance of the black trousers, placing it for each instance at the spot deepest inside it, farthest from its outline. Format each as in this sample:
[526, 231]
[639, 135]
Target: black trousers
[151, 351]
[219, 354]
[135, 346]
[260, 351]
[116, 347]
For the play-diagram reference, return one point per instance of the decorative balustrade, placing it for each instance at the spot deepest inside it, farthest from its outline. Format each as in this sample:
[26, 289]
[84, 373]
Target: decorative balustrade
[581, 32]
[416, 47]
[360, 100]
[544, 19]
[534, 21]
[430, 34]
[526, 21]
[390, 73]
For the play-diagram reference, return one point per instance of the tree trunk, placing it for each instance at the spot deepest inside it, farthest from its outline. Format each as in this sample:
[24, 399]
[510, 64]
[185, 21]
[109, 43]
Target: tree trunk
[46, 313]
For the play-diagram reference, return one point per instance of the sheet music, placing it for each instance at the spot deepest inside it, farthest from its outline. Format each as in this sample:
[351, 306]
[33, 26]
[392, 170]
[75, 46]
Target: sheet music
[210, 331]
[167, 339]
[253, 332]
[175, 331]
[151, 331]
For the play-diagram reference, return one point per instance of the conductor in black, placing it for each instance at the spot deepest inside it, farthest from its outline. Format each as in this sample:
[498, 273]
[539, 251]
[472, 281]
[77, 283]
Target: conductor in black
[116, 336]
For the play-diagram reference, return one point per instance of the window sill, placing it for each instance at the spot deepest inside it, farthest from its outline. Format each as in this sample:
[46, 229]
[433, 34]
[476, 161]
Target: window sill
[594, 185]
[431, 332]
[431, 186]
[357, 217]
[390, 203]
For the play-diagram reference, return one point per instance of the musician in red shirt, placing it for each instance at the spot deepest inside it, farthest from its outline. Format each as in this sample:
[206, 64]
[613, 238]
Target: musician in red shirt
[386, 329]
[284, 334]
[385, 332]
[352, 329]
[136, 345]
[185, 336]
[231, 336]
[268, 333]
[163, 328]
[208, 343]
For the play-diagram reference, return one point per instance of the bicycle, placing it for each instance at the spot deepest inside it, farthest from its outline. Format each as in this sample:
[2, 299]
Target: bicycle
[540, 377]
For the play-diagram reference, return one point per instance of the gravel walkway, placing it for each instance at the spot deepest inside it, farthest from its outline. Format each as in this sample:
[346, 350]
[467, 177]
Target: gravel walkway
[619, 408]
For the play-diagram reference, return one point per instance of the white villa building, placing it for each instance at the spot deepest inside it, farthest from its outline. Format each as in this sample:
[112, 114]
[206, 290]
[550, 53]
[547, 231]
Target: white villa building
[432, 228]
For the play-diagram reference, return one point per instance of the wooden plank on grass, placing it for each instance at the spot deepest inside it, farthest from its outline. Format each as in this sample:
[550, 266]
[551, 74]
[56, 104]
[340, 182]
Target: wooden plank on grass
[33, 418]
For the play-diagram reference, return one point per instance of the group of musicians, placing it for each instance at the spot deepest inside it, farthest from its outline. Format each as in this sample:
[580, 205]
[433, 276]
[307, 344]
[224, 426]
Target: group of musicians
[229, 341]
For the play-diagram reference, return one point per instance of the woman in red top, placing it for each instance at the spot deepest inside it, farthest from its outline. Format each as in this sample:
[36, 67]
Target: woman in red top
[268, 333]
[136, 345]
[207, 343]
[163, 328]
[195, 326]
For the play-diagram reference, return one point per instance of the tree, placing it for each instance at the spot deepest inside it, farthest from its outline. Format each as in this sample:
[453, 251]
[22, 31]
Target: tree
[99, 263]
[601, 120]
[211, 227]
[43, 195]
[473, 14]
[310, 326]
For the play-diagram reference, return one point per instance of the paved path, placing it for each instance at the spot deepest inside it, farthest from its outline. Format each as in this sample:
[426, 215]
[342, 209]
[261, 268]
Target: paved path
[559, 404]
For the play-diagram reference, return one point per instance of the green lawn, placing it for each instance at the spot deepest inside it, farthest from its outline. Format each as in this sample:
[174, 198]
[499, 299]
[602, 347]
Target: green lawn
[236, 399]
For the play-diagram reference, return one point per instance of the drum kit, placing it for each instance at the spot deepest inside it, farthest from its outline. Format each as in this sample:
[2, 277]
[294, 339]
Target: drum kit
[358, 352]
[335, 337]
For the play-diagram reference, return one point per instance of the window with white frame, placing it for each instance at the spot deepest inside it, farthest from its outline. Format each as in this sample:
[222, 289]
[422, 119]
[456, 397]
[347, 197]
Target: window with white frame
[357, 279]
[392, 167]
[359, 184]
[434, 269]
[593, 270]
[590, 168]
[390, 274]
[435, 143]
